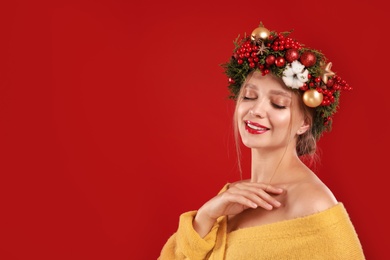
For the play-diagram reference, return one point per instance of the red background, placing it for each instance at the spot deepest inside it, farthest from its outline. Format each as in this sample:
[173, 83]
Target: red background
[114, 118]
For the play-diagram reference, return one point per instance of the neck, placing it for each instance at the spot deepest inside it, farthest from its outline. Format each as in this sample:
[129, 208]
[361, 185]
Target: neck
[267, 165]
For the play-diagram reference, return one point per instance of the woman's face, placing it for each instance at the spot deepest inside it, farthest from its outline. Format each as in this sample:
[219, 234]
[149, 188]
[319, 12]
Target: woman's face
[264, 112]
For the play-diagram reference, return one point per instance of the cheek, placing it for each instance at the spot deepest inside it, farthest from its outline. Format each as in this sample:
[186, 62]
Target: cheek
[281, 118]
[242, 110]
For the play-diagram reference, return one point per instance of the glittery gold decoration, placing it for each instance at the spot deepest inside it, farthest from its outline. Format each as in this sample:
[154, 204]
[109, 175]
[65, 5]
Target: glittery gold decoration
[312, 98]
[260, 33]
[326, 73]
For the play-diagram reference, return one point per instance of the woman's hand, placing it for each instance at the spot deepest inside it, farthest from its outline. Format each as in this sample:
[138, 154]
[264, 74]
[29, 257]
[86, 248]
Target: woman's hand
[237, 198]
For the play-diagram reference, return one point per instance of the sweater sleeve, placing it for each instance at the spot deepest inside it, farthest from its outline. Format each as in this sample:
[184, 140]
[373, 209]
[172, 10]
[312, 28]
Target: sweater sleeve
[186, 242]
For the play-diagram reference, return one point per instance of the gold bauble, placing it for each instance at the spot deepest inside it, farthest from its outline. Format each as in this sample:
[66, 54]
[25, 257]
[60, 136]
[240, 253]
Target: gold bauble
[312, 98]
[260, 33]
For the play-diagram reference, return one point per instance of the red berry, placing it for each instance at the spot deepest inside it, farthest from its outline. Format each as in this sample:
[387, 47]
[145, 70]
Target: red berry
[280, 61]
[270, 59]
[329, 83]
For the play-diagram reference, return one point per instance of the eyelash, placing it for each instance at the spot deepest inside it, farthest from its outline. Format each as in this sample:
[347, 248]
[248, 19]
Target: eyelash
[278, 107]
[273, 104]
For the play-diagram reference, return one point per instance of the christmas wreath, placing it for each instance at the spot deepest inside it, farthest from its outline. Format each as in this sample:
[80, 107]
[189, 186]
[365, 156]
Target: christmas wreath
[302, 69]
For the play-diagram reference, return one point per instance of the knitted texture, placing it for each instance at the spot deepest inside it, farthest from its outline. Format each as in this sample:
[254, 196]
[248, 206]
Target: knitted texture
[325, 235]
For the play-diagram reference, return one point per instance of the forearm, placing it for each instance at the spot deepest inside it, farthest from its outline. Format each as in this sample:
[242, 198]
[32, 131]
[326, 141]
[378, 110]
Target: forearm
[202, 223]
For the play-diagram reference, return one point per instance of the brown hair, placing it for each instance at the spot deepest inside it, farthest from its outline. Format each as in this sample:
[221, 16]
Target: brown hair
[306, 143]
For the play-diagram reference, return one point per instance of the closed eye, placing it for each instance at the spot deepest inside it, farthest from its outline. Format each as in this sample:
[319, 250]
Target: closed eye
[278, 106]
[248, 98]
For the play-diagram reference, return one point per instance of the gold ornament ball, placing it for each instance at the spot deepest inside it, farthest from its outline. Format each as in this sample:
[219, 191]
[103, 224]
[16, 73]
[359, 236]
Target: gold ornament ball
[312, 98]
[260, 33]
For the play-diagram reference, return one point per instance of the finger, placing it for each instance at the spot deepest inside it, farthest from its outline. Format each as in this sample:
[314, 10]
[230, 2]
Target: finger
[264, 200]
[266, 187]
[258, 189]
[265, 196]
[259, 196]
[241, 199]
[273, 189]
[254, 196]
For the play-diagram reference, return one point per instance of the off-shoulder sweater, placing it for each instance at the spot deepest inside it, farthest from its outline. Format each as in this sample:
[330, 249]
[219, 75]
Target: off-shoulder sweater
[328, 234]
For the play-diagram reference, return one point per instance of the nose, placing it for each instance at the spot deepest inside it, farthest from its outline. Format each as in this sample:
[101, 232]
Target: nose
[257, 110]
[256, 114]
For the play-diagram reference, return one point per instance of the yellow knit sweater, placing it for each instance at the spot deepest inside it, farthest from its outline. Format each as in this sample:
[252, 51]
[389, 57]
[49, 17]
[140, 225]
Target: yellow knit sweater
[325, 235]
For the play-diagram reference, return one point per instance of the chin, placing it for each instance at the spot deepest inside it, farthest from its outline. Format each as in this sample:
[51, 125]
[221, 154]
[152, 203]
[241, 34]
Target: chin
[250, 143]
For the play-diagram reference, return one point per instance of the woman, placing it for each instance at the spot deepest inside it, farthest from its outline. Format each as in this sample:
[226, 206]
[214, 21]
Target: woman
[285, 97]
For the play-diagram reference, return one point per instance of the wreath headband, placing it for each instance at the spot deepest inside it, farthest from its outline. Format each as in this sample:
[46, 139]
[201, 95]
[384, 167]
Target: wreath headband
[301, 69]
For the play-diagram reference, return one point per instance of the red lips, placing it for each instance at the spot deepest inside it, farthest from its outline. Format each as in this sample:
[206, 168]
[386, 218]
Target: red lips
[255, 128]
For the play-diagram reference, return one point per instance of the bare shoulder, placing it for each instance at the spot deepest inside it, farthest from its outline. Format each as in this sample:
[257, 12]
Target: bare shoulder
[309, 197]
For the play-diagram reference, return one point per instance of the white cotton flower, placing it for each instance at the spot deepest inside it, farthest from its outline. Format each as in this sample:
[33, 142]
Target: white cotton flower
[295, 75]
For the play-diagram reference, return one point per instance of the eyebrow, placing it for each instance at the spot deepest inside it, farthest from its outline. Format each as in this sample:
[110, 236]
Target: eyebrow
[281, 93]
[272, 92]
[248, 85]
